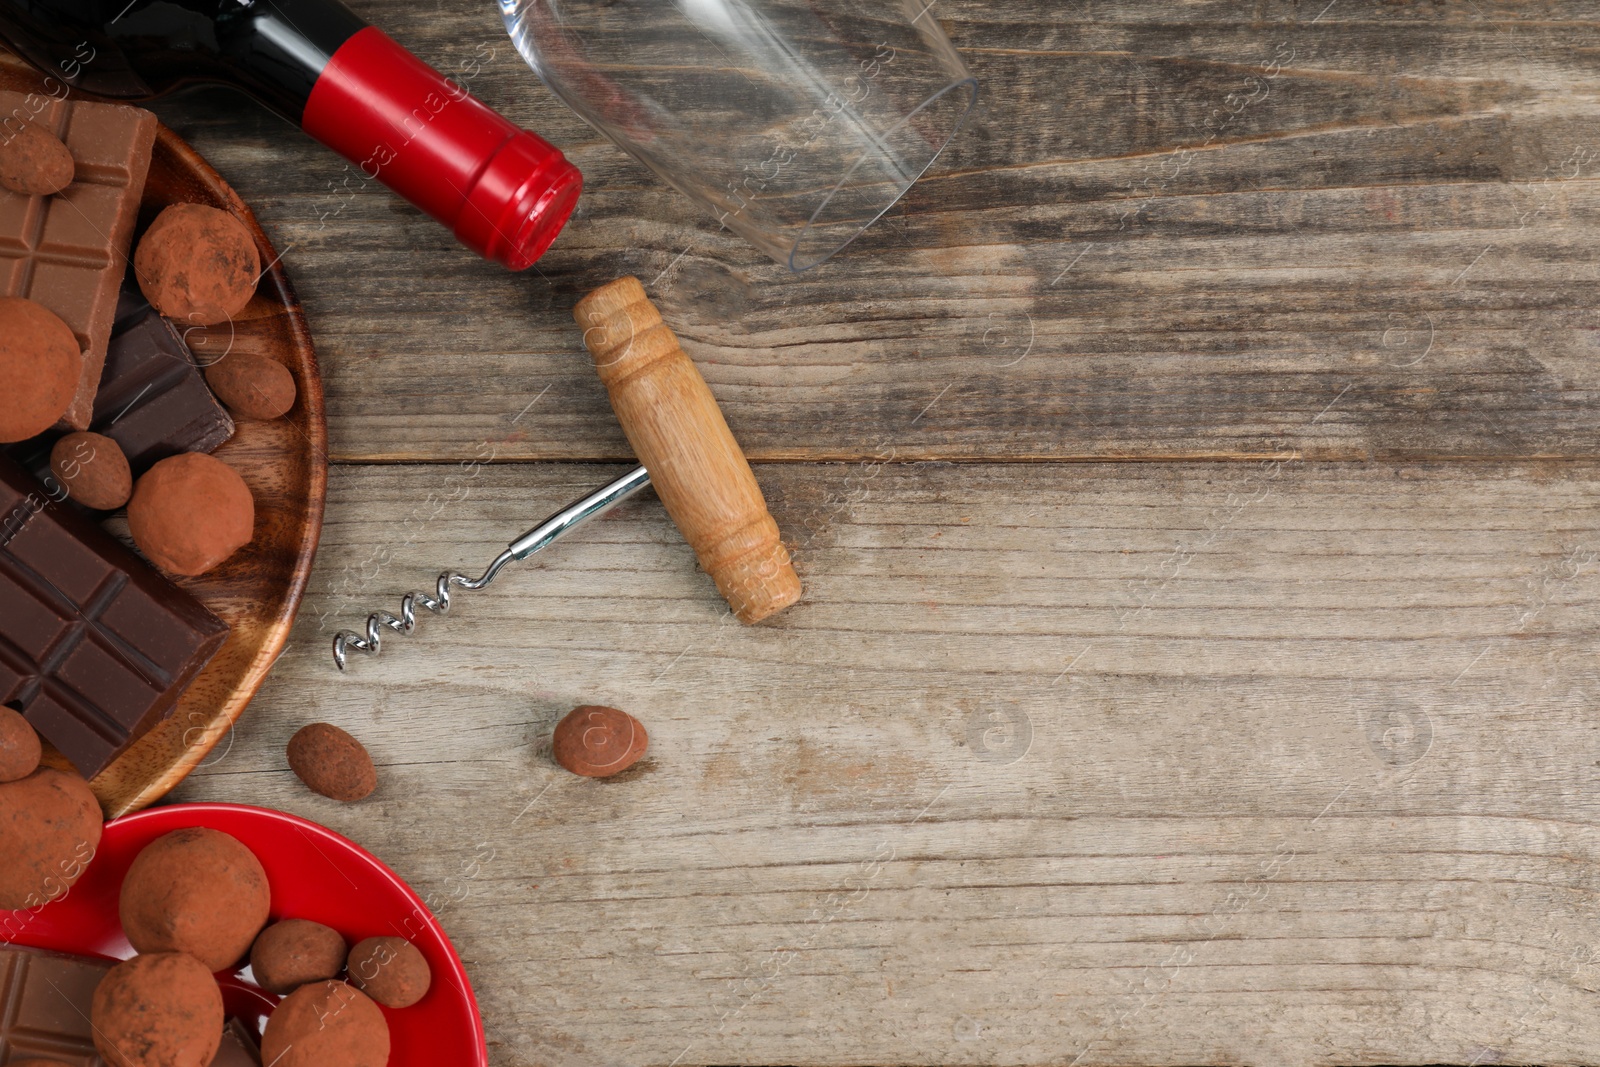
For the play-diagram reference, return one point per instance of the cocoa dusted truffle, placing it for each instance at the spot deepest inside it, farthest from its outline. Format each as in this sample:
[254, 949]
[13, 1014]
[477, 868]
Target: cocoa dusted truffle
[331, 762]
[197, 264]
[33, 161]
[40, 362]
[252, 385]
[197, 891]
[190, 512]
[19, 746]
[92, 469]
[597, 741]
[49, 829]
[158, 1010]
[293, 952]
[390, 970]
[326, 1023]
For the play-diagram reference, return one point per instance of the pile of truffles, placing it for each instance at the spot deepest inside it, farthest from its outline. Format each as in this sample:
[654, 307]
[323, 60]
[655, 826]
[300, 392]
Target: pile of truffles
[198, 267]
[196, 902]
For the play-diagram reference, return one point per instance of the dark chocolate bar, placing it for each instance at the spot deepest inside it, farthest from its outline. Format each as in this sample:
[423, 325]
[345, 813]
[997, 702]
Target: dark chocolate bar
[69, 251]
[95, 645]
[45, 999]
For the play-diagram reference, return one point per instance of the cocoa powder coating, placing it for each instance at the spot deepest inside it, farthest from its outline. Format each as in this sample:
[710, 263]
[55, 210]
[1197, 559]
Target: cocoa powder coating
[252, 385]
[20, 750]
[390, 970]
[293, 952]
[198, 891]
[93, 470]
[33, 161]
[331, 762]
[50, 826]
[597, 741]
[190, 512]
[197, 264]
[39, 366]
[159, 1010]
[326, 1024]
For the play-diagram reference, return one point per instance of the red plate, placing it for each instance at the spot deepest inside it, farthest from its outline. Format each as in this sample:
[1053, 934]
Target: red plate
[314, 874]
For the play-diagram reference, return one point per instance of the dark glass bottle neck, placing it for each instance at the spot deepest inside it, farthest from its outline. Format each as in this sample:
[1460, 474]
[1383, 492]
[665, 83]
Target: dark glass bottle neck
[135, 49]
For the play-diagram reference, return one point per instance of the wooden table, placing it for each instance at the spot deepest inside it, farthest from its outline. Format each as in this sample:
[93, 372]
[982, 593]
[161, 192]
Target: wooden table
[1194, 484]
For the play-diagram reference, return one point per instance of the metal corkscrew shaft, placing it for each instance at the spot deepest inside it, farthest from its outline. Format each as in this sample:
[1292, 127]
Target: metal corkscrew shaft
[550, 530]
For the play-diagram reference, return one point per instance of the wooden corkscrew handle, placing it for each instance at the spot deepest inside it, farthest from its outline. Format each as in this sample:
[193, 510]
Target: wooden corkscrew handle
[680, 436]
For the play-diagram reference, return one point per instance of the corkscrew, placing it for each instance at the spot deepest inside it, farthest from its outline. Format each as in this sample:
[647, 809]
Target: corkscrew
[546, 533]
[687, 452]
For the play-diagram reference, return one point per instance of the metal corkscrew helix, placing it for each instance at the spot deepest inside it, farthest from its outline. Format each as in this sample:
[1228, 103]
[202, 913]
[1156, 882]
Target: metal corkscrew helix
[550, 530]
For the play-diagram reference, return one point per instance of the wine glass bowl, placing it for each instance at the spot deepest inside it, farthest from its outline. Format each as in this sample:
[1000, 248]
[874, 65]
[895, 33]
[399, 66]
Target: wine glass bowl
[796, 123]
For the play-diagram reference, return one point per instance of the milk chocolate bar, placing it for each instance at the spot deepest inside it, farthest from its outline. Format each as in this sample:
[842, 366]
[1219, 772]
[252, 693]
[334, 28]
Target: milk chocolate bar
[95, 645]
[45, 999]
[69, 251]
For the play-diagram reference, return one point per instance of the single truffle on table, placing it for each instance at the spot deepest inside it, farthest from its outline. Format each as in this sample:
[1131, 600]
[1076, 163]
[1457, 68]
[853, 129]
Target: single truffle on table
[158, 1010]
[597, 741]
[190, 512]
[252, 385]
[293, 952]
[197, 264]
[92, 469]
[20, 750]
[33, 161]
[50, 826]
[40, 363]
[198, 891]
[331, 762]
[326, 1023]
[390, 970]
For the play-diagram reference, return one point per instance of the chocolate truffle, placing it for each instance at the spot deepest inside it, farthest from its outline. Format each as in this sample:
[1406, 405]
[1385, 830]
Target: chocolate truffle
[33, 161]
[49, 829]
[331, 762]
[159, 1010]
[197, 891]
[197, 264]
[597, 741]
[19, 746]
[390, 970]
[39, 366]
[326, 1023]
[252, 385]
[290, 953]
[92, 469]
[190, 512]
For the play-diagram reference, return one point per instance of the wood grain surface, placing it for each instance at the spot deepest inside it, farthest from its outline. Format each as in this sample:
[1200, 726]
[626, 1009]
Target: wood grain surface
[1275, 746]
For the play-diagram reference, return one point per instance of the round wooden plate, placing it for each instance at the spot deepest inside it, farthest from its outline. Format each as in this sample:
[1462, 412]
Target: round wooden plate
[285, 463]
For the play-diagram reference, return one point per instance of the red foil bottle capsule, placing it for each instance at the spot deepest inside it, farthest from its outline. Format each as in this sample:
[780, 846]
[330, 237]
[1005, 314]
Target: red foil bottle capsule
[505, 192]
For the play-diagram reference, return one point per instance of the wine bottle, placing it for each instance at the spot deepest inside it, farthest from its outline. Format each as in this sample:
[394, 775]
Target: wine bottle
[504, 191]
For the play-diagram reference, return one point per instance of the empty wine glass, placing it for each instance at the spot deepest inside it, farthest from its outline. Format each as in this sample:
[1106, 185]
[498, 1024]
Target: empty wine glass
[797, 123]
